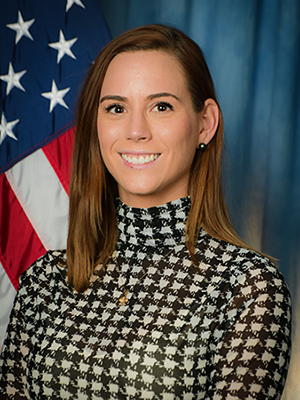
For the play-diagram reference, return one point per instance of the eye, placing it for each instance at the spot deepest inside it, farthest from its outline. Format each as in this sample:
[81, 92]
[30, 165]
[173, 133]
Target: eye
[163, 107]
[114, 109]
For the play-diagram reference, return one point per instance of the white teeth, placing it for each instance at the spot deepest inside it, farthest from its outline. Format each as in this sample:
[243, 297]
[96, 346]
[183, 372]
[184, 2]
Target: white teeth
[140, 159]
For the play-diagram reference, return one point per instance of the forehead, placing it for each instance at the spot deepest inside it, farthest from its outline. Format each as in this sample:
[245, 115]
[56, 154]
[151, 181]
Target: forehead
[158, 69]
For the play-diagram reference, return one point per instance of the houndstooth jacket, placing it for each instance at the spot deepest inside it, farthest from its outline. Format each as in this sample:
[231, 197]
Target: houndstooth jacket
[217, 331]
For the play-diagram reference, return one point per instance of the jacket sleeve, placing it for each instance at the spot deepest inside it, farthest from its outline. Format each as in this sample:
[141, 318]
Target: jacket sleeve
[15, 351]
[251, 360]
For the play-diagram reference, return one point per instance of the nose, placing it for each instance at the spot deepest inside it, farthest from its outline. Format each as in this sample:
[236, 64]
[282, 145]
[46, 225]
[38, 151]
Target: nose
[138, 127]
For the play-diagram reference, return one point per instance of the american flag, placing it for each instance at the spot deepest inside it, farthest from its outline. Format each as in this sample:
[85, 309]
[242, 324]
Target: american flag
[46, 50]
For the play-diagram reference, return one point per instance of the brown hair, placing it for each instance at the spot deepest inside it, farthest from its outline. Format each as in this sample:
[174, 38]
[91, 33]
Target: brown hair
[92, 221]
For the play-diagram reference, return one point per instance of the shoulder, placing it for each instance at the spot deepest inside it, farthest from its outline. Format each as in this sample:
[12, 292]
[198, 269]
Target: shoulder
[51, 267]
[241, 269]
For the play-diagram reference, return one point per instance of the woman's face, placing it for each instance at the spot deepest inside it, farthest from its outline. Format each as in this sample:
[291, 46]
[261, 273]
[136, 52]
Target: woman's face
[147, 127]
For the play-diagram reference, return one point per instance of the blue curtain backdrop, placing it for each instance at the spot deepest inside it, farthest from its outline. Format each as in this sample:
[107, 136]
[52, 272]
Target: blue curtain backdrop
[253, 51]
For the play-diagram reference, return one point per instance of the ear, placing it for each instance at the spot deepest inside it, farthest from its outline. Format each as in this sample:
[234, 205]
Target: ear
[209, 121]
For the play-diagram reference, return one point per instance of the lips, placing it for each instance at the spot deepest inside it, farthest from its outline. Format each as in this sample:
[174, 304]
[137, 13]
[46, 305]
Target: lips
[140, 159]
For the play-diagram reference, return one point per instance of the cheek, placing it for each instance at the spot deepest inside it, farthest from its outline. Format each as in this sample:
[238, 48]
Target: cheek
[105, 152]
[186, 144]
[105, 136]
[185, 136]
[104, 144]
[108, 132]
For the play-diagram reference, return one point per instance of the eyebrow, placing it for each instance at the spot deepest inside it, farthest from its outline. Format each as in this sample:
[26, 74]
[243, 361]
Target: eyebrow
[162, 94]
[150, 97]
[113, 97]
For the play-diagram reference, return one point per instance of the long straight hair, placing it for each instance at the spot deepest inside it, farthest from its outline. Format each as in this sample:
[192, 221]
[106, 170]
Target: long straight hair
[93, 230]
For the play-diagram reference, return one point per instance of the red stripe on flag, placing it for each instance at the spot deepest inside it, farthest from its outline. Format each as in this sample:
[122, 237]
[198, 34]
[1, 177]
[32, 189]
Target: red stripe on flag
[59, 154]
[19, 244]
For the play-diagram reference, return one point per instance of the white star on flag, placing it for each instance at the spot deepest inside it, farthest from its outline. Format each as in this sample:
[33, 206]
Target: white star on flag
[13, 79]
[56, 96]
[21, 28]
[6, 128]
[63, 46]
[71, 2]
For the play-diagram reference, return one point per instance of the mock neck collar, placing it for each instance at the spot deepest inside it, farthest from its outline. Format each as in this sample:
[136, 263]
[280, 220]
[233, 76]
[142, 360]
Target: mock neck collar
[155, 226]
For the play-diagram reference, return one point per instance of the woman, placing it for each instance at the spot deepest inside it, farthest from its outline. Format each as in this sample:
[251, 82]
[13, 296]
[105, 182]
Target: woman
[156, 297]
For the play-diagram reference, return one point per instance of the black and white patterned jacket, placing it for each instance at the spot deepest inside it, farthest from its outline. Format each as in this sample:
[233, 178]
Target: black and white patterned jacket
[220, 331]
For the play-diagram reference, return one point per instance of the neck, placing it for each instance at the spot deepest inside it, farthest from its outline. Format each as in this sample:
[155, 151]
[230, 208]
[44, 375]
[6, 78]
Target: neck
[149, 200]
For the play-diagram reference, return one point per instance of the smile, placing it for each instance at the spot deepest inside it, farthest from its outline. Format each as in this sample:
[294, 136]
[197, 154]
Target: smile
[140, 159]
